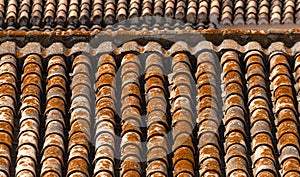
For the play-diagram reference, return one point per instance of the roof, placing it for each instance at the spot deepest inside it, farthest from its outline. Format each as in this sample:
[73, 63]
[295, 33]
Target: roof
[149, 88]
[118, 104]
[91, 14]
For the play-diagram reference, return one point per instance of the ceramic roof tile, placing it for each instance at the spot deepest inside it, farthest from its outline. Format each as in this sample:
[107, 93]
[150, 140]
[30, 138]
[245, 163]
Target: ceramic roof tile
[235, 130]
[84, 13]
[36, 13]
[97, 11]
[2, 10]
[109, 12]
[79, 134]
[53, 148]
[62, 11]
[203, 11]
[227, 12]
[131, 135]
[275, 15]
[49, 13]
[208, 143]
[260, 112]
[28, 137]
[181, 7]
[11, 13]
[7, 124]
[24, 15]
[182, 122]
[263, 14]
[74, 14]
[239, 12]
[105, 123]
[148, 106]
[288, 143]
[191, 11]
[157, 160]
[251, 11]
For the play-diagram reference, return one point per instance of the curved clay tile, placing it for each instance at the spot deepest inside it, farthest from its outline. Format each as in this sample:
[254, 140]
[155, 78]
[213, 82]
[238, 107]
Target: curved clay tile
[158, 9]
[288, 137]
[53, 150]
[2, 12]
[263, 150]
[29, 125]
[235, 143]
[49, 13]
[227, 12]
[263, 12]
[97, 12]
[288, 12]
[203, 11]
[79, 134]
[180, 13]
[36, 13]
[11, 13]
[109, 12]
[156, 101]
[73, 14]
[7, 113]
[131, 134]
[121, 12]
[104, 155]
[209, 151]
[182, 135]
[24, 13]
[239, 12]
[251, 12]
[61, 12]
[275, 15]
[85, 12]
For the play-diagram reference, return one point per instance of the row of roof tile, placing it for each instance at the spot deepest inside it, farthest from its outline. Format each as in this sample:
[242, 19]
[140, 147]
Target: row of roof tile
[235, 145]
[182, 116]
[285, 113]
[260, 116]
[8, 79]
[208, 119]
[85, 14]
[157, 123]
[249, 126]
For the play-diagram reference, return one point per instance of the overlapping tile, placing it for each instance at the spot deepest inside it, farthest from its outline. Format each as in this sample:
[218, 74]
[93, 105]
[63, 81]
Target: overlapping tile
[285, 113]
[88, 14]
[182, 116]
[157, 123]
[8, 78]
[263, 157]
[80, 109]
[234, 111]
[105, 116]
[53, 151]
[208, 120]
[30, 110]
[158, 137]
[131, 135]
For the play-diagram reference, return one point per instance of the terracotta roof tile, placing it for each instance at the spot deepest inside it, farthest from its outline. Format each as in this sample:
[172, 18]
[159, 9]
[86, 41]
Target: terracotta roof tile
[149, 107]
[79, 134]
[235, 146]
[30, 109]
[88, 14]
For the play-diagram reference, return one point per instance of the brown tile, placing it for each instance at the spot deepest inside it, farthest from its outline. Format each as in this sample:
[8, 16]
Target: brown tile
[11, 13]
[29, 128]
[79, 134]
[109, 12]
[49, 12]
